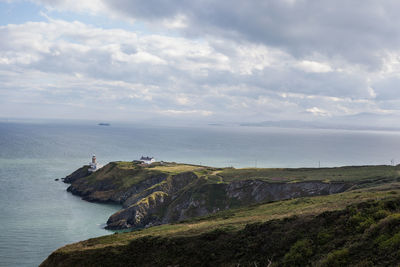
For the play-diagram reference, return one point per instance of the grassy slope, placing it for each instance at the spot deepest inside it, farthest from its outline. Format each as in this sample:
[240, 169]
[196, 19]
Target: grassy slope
[366, 234]
[123, 174]
[343, 174]
[353, 174]
[236, 219]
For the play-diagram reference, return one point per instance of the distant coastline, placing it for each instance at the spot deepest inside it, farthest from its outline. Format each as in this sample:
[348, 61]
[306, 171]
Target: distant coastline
[103, 124]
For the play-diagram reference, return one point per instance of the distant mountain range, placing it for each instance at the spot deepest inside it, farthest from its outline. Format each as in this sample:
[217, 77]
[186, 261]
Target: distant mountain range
[356, 122]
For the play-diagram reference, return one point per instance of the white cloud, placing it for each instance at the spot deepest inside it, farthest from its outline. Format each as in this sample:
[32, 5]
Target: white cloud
[187, 112]
[372, 92]
[318, 112]
[90, 6]
[313, 66]
[183, 100]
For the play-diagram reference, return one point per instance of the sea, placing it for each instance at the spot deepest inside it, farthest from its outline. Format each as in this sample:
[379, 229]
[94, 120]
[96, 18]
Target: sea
[38, 215]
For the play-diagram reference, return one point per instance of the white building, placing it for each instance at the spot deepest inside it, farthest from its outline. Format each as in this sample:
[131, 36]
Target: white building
[147, 160]
[94, 166]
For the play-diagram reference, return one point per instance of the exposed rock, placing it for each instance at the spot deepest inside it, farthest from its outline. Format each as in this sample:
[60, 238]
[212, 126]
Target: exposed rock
[255, 191]
[202, 198]
[79, 173]
[210, 198]
[170, 186]
[140, 214]
[147, 207]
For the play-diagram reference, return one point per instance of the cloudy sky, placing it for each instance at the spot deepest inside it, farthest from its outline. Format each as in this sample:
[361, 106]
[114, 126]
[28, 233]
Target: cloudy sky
[201, 60]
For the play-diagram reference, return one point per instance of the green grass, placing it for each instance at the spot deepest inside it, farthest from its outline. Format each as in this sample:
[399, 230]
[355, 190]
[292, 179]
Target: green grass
[127, 165]
[123, 174]
[126, 174]
[177, 168]
[339, 174]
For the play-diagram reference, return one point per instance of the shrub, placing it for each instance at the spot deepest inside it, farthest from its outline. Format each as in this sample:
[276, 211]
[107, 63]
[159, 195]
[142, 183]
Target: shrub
[392, 243]
[337, 258]
[299, 254]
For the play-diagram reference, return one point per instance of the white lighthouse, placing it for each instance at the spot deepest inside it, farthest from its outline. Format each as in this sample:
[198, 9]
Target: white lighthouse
[94, 166]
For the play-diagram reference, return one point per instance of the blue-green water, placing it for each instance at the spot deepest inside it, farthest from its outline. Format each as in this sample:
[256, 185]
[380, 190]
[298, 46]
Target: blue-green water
[37, 215]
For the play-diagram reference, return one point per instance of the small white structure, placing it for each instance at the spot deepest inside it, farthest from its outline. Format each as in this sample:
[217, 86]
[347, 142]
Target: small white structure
[94, 166]
[147, 160]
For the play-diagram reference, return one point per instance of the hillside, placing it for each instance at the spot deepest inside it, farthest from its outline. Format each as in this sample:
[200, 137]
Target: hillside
[170, 192]
[355, 228]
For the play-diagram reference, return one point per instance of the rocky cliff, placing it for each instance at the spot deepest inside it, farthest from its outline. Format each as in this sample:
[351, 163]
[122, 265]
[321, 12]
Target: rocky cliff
[79, 173]
[158, 194]
[148, 207]
[205, 198]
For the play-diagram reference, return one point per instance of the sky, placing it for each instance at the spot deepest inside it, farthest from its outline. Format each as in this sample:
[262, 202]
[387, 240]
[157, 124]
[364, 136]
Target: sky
[201, 60]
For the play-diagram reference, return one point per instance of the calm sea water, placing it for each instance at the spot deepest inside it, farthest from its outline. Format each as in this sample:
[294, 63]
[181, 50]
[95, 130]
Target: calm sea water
[37, 215]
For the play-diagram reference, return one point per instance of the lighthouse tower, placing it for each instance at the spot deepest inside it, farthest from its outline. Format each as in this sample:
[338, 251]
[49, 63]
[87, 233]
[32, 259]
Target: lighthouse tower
[93, 166]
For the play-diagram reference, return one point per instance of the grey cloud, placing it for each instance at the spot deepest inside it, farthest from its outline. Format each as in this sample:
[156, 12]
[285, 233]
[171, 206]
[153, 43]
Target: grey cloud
[294, 81]
[357, 31]
[129, 49]
[387, 89]
[151, 9]
[392, 104]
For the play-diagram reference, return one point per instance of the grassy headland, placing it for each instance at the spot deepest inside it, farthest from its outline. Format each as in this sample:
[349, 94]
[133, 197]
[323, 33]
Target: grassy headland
[124, 174]
[334, 230]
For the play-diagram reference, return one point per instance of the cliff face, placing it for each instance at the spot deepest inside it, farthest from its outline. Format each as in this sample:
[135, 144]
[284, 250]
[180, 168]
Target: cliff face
[79, 173]
[205, 198]
[152, 196]
[255, 191]
[147, 207]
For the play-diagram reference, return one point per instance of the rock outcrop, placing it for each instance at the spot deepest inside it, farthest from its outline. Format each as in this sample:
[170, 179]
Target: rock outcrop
[208, 198]
[146, 208]
[255, 191]
[79, 173]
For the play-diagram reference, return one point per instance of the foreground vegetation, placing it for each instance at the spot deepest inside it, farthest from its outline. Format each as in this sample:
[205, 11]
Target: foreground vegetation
[359, 227]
